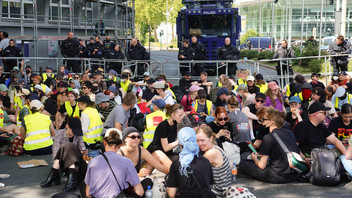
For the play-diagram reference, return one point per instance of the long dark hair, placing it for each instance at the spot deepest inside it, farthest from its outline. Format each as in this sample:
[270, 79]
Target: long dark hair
[320, 92]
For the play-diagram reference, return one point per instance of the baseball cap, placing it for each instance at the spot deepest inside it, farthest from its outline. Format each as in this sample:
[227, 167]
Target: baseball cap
[62, 84]
[259, 77]
[24, 92]
[124, 75]
[128, 131]
[159, 103]
[340, 92]
[194, 88]
[187, 73]
[49, 67]
[251, 78]
[159, 85]
[242, 87]
[260, 95]
[3, 87]
[75, 125]
[151, 81]
[15, 68]
[113, 89]
[101, 97]
[306, 86]
[17, 82]
[36, 104]
[273, 85]
[84, 99]
[146, 74]
[317, 106]
[223, 90]
[315, 74]
[295, 99]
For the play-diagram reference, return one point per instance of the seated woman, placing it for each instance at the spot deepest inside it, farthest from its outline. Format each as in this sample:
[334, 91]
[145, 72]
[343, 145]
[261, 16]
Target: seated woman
[219, 162]
[277, 170]
[190, 167]
[37, 135]
[274, 97]
[342, 126]
[202, 106]
[67, 155]
[221, 126]
[143, 161]
[110, 176]
[319, 95]
[164, 140]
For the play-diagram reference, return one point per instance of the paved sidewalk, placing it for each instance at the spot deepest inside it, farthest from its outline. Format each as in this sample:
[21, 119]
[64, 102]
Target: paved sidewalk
[24, 183]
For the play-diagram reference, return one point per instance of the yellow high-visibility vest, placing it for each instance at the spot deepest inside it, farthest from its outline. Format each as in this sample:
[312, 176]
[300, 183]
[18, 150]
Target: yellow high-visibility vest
[208, 103]
[95, 127]
[45, 76]
[263, 88]
[241, 81]
[70, 112]
[1, 118]
[19, 122]
[152, 121]
[349, 96]
[37, 131]
[124, 85]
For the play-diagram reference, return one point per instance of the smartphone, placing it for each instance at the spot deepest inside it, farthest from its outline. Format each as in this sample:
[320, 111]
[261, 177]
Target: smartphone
[252, 148]
[225, 127]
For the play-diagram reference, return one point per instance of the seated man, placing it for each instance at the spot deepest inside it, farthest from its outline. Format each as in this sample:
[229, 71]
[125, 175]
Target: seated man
[341, 97]
[311, 134]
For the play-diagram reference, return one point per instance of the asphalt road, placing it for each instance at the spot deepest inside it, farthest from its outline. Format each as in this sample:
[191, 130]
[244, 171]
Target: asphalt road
[24, 183]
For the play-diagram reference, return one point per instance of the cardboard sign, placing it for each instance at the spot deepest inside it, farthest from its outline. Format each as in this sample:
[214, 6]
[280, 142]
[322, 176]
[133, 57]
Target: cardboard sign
[32, 163]
[242, 74]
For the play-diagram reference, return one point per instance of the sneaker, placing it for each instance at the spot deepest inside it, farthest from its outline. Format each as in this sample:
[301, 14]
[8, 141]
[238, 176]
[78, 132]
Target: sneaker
[4, 176]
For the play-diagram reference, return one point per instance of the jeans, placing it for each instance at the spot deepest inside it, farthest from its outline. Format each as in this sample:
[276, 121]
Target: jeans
[347, 164]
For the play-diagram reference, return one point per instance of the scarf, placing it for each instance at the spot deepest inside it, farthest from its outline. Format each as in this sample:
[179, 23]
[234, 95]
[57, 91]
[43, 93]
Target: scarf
[306, 93]
[188, 139]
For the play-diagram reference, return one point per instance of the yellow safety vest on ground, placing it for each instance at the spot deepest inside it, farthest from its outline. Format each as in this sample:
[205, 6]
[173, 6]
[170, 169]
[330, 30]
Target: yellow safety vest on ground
[18, 116]
[69, 110]
[241, 81]
[349, 96]
[208, 103]
[124, 85]
[95, 127]
[152, 121]
[38, 131]
[1, 118]
[45, 76]
[263, 88]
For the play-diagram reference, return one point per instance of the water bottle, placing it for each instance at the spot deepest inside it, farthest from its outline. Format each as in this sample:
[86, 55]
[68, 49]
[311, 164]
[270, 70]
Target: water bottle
[234, 173]
[149, 192]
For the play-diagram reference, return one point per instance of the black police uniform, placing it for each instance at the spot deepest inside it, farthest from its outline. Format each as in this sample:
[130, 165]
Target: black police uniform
[229, 52]
[109, 46]
[199, 54]
[188, 53]
[137, 52]
[69, 48]
[113, 54]
[11, 52]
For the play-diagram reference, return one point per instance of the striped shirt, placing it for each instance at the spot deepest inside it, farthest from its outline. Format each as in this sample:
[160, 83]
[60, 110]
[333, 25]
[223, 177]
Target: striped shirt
[222, 175]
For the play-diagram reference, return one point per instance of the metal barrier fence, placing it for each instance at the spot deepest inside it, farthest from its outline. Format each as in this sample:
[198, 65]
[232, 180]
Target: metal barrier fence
[171, 68]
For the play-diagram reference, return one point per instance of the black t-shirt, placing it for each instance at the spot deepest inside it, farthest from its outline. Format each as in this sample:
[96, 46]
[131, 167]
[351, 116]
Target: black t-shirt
[340, 130]
[253, 110]
[216, 128]
[163, 130]
[7, 102]
[265, 130]
[294, 122]
[63, 110]
[187, 188]
[253, 89]
[278, 159]
[147, 94]
[309, 136]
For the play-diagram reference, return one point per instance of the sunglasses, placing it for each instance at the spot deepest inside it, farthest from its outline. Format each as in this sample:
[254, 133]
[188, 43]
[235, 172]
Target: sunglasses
[202, 97]
[223, 119]
[260, 101]
[84, 87]
[135, 136]
[77, 77]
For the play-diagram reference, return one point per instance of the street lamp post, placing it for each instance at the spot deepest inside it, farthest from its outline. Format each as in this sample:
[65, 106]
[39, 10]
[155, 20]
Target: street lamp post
[321, 25]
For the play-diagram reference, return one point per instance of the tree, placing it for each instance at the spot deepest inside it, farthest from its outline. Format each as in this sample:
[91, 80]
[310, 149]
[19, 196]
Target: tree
[248, 34]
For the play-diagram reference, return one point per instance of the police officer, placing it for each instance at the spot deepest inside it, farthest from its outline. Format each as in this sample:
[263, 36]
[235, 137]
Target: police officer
[99, 48]
[199, 54]
[90, 47]
[228, 52]
[69, 48]
[109, 45]
[82, 49]
[116, 53]
[185, 53]
[340, 47]
[284, 52]
[11, 51]
[137, 52]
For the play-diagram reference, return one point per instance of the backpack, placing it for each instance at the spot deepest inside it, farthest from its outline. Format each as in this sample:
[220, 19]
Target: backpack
[178, 93]
[325, 168]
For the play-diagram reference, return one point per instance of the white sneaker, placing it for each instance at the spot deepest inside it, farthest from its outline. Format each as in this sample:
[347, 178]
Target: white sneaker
[4, 176]
[2, 185]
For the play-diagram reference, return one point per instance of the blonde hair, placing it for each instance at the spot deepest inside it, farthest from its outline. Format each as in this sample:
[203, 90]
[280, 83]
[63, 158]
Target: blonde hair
[208, 132]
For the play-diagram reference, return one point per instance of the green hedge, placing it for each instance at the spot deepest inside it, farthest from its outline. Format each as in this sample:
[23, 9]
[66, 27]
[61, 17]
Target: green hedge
[266, 55]
[250, 54]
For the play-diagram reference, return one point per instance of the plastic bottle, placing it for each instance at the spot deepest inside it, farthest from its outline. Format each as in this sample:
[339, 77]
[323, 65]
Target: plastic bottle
[234, 173]
[149, 193]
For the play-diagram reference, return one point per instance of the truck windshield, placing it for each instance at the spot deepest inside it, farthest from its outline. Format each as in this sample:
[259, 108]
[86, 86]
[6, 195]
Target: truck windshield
[210, 25]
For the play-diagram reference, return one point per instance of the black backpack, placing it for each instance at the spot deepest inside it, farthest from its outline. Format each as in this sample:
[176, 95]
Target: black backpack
[178, 93]
[326, 169]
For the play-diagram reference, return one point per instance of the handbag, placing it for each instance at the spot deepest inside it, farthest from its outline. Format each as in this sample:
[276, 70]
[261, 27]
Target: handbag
[295, 161]
[122, 194]
[16, 147]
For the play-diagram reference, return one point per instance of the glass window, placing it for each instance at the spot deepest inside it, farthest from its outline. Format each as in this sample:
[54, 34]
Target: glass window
[62, 7]
[28, 11]
[12, 9]
[199, 25]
